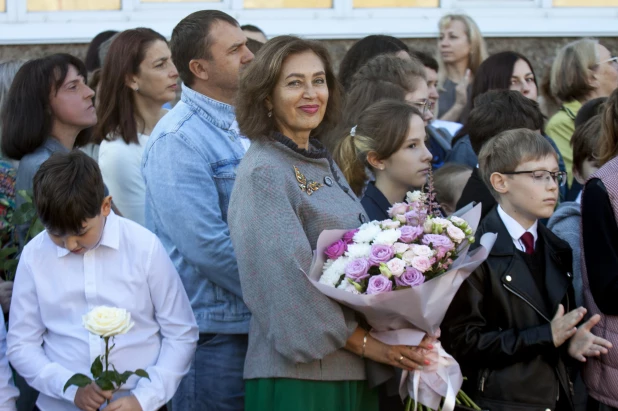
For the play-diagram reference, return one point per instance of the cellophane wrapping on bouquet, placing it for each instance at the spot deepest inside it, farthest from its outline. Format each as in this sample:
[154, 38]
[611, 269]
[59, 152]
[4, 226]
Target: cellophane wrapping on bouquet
[405, 315]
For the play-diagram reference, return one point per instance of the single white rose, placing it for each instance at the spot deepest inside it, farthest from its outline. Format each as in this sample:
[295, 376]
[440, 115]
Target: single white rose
[396, 266]
[456, 234]
[387, 237]
[413, 196]
[361, 250]
[108, 321]
[367, 233]
[421, 250]
[389, 224]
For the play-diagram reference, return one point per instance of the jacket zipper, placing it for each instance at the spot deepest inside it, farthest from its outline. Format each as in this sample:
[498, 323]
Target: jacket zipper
[483, 378]
[526, 301]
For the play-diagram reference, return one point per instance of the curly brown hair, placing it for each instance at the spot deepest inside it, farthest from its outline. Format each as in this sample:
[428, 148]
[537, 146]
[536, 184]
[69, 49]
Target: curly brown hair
[258, 81]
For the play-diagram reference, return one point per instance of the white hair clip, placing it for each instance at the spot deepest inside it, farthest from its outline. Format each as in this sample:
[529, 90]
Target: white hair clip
[353, 131]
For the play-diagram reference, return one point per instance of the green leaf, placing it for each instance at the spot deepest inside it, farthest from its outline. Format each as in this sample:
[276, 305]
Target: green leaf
[142, 373]
[8, 252]
[80, 380]
[113, 376]
[25, 195]
[105, 384]
[125, 376]
[97, 367]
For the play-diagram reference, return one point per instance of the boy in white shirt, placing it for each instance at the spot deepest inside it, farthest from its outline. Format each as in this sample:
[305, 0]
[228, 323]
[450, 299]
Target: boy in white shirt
[88, 257]
[512, 325]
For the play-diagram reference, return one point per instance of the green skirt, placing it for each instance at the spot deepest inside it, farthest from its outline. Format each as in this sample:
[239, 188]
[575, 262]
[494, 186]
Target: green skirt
[282, 394]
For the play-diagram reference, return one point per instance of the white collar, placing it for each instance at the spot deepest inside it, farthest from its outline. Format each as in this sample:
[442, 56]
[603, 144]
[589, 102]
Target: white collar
[515, 229]
[578, 200]
[110, 237]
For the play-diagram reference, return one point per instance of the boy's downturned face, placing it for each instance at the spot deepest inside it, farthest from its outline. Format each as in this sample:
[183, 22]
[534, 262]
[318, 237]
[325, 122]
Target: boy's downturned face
[525, 198]
[90, 234]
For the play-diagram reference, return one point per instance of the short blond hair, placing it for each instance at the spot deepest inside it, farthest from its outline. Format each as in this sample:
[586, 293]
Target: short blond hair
[570, 70]
[478, 49]
[507, 150]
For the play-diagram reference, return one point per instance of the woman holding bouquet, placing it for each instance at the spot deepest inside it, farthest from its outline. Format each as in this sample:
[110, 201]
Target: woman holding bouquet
[305, 350]
[390, 140]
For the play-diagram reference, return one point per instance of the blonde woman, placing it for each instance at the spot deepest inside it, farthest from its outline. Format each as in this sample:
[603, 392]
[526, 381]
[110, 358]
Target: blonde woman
[582, 70]
[461, 50]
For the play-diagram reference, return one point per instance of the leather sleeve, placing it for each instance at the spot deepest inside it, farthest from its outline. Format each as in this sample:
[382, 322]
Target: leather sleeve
[475, 342]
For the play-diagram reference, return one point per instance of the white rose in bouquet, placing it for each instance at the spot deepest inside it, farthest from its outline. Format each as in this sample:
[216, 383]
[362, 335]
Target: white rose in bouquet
[108, 321]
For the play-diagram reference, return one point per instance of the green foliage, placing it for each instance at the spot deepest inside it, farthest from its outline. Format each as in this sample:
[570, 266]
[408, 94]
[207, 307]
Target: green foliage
[25, 214]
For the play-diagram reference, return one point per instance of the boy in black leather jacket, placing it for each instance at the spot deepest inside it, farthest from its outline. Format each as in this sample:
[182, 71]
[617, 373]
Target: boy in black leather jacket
[512, 325]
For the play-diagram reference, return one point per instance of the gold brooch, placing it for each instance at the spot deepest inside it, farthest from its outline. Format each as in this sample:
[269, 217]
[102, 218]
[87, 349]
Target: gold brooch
[308, 187]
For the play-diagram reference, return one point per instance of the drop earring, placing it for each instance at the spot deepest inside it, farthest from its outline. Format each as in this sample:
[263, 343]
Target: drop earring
[270, 113]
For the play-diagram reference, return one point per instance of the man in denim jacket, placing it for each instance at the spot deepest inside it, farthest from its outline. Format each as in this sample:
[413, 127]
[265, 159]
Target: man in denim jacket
[189, 167]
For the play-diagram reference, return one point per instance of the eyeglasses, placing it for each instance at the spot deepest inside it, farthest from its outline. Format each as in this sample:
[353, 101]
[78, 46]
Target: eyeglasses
[613, 61]
[424, 105]
[544, 176]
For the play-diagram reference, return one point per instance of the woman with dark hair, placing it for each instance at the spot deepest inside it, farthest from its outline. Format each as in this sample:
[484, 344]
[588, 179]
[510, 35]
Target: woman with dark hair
[366, 49]
[138, 77]
[92, 60]
[51, 109]
[305, 350]
[507, 70]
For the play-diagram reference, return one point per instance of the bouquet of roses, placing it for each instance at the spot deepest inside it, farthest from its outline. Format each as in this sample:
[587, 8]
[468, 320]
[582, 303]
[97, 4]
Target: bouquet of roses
[402, 275]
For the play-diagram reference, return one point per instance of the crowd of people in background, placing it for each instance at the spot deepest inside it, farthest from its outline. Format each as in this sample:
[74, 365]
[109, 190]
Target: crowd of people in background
[188, 181]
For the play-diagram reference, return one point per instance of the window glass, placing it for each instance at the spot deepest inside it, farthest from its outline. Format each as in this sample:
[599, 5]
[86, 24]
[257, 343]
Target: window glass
[70, 5]
[288, 4]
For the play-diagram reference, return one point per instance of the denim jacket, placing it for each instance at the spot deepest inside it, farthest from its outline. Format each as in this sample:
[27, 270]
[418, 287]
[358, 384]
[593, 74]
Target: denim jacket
[189, 167]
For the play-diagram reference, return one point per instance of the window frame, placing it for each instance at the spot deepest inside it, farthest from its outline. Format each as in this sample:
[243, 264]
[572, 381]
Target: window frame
[536, 18]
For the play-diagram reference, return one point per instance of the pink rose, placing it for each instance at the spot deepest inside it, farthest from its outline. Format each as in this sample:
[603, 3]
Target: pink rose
[413, 218]
[455, 233]
[336, 249]
[396, 266]
[422, 264]
[379, 284]
[441, 243]
[348, 237]
[397, 209]
[410, 233]
[380, 253]
[357, 270]
[411, 278]
[400, 248]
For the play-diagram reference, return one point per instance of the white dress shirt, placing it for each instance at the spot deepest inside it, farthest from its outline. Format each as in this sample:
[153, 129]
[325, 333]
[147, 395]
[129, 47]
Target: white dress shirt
[54, 288]
[8, 392]
[516, 230]
[121, 166]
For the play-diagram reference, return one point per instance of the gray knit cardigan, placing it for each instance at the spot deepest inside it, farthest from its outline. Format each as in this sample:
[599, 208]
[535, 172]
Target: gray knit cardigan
[296, 331]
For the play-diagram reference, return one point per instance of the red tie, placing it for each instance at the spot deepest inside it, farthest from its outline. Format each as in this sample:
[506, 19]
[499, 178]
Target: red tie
[528, 240]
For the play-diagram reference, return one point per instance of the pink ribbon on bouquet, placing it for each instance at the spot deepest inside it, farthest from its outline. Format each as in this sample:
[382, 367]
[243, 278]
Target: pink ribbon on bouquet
[441, 379]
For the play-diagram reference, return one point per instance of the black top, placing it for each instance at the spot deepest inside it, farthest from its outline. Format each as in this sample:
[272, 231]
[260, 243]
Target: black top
[600, 236]
[476, 190]
[375, 203]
